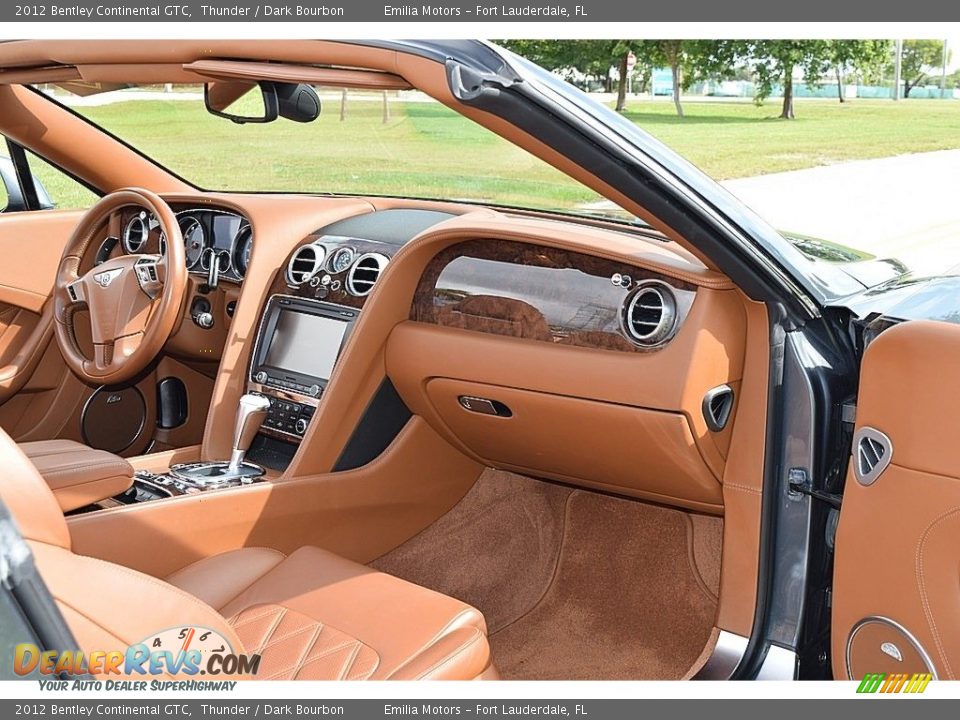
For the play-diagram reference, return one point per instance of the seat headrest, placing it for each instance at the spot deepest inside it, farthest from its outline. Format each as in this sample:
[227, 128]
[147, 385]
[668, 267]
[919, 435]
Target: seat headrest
[29, 498]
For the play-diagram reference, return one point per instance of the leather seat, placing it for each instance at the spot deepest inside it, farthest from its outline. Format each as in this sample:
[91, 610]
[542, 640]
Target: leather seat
[395, 629]
[78, 475]
[310, 615]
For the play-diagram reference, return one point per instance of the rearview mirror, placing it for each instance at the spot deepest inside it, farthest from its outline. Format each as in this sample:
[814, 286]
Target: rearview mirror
[242, 101]
[297, 102]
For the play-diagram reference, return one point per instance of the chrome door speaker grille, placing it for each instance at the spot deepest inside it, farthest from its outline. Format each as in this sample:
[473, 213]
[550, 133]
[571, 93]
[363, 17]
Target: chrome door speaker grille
[872, 454]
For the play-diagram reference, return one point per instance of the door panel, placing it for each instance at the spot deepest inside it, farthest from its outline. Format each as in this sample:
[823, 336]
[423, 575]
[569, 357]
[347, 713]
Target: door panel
[896, 604]
[31, 244]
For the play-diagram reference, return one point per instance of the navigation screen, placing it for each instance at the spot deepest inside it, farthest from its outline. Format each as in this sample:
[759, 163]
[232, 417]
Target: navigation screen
[305, 344]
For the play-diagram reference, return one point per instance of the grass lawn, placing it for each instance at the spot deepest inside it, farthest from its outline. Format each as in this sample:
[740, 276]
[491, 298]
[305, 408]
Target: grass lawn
[425, 149]
[738, 139]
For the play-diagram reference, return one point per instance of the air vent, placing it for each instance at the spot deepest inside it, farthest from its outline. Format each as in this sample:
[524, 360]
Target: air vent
[135, 235]
[365, 273]
[872, 454]
[717, 405]
[650, 314]
[304, 264]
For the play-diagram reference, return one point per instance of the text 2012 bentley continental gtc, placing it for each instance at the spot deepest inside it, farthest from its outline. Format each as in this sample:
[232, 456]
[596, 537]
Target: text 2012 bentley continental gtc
[350, 360]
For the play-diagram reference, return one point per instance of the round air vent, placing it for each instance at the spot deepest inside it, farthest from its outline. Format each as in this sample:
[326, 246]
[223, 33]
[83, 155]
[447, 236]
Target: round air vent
[650, 314]
[365, 272]
[135, 234]
[304, 264]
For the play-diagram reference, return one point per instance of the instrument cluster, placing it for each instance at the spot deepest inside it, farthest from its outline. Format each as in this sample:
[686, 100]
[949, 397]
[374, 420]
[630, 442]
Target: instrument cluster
[211, 238]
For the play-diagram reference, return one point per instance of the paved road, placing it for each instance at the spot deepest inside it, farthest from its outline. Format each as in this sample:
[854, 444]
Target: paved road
[906, 206]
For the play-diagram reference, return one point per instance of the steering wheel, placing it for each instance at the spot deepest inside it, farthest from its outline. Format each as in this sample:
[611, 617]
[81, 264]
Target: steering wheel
[134, 301]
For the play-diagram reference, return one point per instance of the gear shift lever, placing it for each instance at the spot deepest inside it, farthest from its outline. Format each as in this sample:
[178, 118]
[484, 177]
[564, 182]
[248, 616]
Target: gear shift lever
[207, 474]
[253, 409]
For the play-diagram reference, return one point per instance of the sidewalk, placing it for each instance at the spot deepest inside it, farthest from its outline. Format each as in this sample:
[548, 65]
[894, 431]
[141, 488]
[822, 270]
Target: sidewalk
[906, 207]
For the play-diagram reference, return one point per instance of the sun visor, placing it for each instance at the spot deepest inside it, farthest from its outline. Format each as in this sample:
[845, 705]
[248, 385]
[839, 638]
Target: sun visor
[281, 72]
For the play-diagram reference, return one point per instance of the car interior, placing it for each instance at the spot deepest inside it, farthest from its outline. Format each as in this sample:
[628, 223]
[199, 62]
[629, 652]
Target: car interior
[366, 436]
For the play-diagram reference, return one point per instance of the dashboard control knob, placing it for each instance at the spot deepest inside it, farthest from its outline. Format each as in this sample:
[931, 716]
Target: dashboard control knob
[314, 391]
[261, 377]
[204, 320]
[301, 426]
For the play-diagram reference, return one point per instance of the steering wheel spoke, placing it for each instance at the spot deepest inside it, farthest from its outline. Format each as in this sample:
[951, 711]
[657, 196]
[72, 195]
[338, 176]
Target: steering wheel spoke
[149, 274]
[77, 292]
[103, 356]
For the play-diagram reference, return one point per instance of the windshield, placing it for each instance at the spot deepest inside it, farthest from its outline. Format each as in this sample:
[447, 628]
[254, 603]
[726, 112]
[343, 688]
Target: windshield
[397, 143]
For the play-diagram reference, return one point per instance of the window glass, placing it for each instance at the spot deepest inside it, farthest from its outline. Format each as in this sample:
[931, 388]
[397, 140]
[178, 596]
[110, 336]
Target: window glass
[56, 188]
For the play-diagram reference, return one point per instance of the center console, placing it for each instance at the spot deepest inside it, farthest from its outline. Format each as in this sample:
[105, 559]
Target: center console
[297, 345]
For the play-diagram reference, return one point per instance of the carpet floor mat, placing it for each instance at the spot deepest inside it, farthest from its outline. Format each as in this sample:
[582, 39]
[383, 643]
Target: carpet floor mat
[573, 584]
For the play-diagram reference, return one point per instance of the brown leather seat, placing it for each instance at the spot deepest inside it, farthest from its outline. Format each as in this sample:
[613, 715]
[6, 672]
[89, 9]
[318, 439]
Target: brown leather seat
[310, 615]
[77, 474]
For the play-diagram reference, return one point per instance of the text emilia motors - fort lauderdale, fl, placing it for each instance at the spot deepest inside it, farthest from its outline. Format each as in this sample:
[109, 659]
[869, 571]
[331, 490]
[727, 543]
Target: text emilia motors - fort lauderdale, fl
[295, 10]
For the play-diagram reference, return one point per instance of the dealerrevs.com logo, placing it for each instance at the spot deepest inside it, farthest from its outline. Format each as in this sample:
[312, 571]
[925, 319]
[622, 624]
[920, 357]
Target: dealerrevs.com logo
[894, 683]
[184, 652]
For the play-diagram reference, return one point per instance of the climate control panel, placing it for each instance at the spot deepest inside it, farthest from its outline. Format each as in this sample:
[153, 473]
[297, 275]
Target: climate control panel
[287, 418]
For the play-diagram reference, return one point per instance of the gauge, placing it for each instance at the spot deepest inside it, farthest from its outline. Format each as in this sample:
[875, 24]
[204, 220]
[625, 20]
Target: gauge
[194, 239]
[135, 233]
[341, 260]
[242, 249]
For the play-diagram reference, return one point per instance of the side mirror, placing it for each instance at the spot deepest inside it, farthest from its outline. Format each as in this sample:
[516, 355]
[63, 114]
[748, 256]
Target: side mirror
[14, 191]
[241, 101]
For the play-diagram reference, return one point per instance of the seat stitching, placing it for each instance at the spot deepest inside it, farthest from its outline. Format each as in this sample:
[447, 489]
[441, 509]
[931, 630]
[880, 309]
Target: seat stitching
[348, 663]
[306, 651]
[330, 651]
[263, 644]
[293, 669]
[287, 636]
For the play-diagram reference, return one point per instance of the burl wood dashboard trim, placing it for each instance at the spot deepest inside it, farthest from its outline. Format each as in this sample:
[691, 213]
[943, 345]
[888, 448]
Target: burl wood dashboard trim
[471, 302]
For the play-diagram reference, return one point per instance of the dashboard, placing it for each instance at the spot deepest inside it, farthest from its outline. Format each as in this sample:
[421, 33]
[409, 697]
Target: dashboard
[570, 351]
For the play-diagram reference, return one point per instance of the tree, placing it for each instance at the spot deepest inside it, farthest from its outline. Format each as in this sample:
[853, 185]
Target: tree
[774, 61]
[592, 58]
[920, 57]
[845, 56]
[689, 61]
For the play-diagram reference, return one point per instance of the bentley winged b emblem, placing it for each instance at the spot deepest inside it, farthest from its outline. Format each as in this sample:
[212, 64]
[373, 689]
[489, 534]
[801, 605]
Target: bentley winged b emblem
[106, 277]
